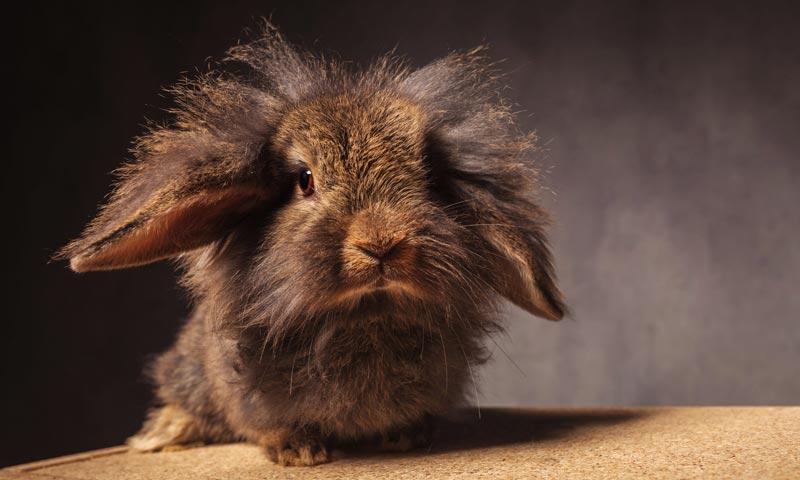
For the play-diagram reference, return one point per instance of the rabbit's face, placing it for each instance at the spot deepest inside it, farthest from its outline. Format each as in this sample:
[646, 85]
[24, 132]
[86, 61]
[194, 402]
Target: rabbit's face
[364, 216]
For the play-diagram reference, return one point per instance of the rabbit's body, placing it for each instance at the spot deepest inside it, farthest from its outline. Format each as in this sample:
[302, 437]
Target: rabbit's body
[389, 383]
[346, 237]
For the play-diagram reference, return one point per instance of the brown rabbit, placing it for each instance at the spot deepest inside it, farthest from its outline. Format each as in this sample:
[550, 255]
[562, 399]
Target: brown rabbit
[346, 237]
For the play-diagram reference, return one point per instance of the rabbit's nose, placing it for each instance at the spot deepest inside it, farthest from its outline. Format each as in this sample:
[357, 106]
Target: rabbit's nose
[381, 251]
[379, 237]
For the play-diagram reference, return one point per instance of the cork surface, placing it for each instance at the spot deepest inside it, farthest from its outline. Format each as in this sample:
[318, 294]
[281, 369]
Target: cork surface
[682, 442]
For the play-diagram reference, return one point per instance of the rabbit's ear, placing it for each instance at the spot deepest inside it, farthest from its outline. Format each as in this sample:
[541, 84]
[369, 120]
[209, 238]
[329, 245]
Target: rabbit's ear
[147, 236]
[525, 272]
[522, 265]
[180, 195]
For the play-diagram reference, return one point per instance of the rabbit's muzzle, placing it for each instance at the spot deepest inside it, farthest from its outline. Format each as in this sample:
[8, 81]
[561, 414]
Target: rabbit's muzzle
[379, 249]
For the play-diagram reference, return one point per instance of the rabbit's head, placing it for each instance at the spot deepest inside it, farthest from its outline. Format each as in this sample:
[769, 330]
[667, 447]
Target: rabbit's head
[302, 187]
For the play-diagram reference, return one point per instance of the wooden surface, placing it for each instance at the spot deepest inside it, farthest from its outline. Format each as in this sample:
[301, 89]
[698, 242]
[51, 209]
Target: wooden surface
[686, 442]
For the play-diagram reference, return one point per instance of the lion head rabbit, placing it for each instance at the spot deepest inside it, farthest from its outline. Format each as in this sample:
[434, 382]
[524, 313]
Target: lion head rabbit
[346, 236]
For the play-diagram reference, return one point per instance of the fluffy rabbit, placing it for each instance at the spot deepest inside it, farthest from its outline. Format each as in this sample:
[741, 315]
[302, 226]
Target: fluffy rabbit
[346, 236]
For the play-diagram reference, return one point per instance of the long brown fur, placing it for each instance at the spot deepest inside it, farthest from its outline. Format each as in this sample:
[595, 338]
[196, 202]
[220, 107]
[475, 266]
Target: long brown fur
[354, 313]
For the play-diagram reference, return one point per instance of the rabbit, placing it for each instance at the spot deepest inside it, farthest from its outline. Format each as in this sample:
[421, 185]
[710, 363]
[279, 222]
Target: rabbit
[347, 237]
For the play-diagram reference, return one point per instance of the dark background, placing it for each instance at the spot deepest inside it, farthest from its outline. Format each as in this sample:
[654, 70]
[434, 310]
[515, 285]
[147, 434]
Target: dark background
[673, 132]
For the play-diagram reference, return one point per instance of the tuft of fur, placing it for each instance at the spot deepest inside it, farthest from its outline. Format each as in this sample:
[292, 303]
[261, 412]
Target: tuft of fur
[355, 313]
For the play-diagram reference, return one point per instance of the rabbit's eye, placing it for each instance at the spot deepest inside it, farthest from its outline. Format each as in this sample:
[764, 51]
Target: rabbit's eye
[306, 182]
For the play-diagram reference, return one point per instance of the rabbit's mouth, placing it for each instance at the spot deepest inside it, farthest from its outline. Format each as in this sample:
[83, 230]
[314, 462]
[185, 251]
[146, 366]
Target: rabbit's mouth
[350, 296]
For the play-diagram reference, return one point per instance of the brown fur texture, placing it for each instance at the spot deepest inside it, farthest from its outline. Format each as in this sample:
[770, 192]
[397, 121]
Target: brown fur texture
[356, 313]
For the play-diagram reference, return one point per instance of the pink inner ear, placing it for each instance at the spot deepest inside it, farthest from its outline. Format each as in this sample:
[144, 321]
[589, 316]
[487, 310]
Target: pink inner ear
[191, 223]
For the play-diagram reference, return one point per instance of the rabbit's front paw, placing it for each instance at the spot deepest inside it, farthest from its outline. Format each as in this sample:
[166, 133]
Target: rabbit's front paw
[293, 448]
[168, 428]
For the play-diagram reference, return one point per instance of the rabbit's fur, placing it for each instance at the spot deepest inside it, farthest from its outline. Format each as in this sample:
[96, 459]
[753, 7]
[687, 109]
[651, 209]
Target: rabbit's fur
[301, 339]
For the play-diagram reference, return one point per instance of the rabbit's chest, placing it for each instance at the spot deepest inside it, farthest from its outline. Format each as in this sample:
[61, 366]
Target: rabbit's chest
[356, 361]
[370, 383]
[351, 379]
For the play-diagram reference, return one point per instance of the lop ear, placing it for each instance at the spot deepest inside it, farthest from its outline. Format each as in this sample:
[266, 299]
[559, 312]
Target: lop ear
[148, 236]
[526, 273]
[181, 194]
[473, 139]
[522, 263]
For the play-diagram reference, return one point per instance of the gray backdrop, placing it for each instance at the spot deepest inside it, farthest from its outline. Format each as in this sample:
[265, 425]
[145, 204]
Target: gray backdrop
[673, 138]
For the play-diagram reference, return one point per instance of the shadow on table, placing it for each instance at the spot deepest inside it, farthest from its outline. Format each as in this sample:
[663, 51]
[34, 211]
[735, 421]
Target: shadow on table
[468, 429]
[506, 426]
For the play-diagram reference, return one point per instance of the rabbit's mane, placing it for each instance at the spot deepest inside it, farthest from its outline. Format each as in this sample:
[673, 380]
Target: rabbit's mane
[242, 101]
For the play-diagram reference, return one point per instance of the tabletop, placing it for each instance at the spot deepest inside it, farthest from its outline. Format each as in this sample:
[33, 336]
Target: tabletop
[631, 442]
